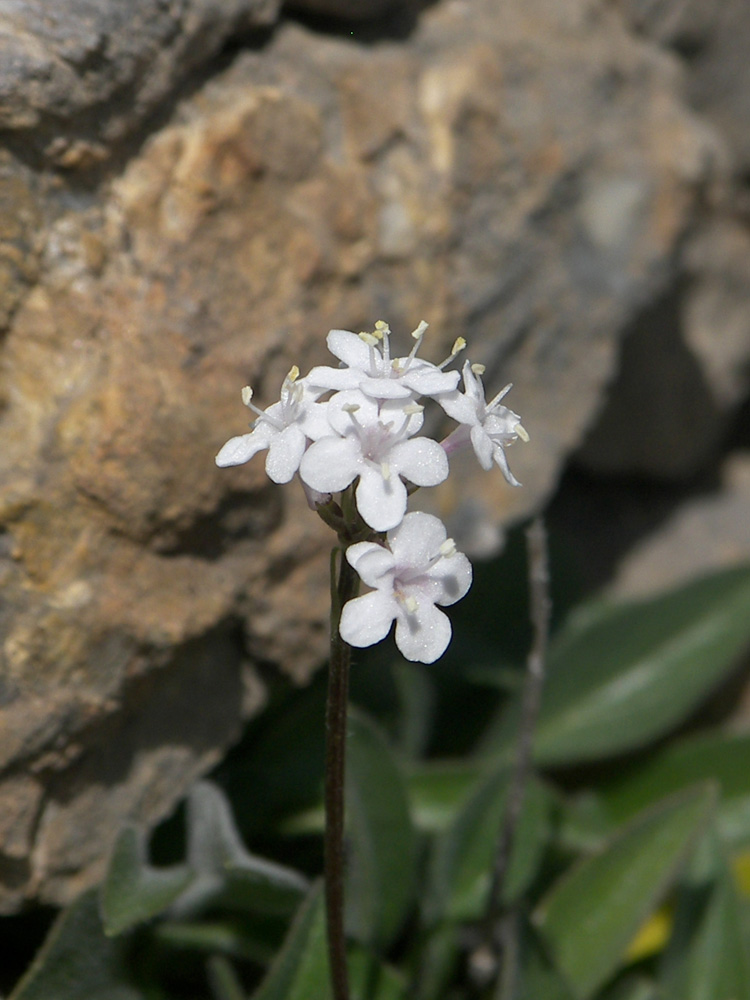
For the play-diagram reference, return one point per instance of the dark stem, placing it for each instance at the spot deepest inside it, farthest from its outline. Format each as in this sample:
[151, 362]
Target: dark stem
[501, 926]
[342, 589]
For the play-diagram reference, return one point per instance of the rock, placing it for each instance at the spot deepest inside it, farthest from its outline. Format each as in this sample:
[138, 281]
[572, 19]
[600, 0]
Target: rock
[78, 75]
[706, 533]
[520, 177]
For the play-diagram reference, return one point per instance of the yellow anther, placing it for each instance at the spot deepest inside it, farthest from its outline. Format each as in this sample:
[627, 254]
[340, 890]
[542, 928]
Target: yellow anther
[478, 369]
[448, 548]
[247, 395]
[458, 345]
[411, 604]
[370, 339]
[419, 332]
[522, 432]
[411, 408]
[381, 327]
[293, 373]
[350, 407]
[385, 470]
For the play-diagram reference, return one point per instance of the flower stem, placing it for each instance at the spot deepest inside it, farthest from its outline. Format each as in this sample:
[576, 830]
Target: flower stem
[342, 589]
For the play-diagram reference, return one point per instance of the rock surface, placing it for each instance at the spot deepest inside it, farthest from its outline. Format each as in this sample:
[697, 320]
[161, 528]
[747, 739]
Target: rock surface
[522, 178]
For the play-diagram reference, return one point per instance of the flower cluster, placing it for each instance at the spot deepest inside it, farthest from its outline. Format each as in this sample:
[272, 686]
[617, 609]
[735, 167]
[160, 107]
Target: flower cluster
[354, 431]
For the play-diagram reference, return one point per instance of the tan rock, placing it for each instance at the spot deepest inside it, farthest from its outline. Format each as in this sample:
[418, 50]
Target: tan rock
[520, 178]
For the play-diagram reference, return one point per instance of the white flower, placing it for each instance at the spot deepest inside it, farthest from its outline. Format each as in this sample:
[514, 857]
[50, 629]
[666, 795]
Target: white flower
[419, 569]
[489, 426]
[283, 428]
[370, 368]
[372, 440]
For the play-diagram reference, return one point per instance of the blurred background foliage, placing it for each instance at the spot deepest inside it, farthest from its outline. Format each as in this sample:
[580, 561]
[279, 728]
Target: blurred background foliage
[630, 874]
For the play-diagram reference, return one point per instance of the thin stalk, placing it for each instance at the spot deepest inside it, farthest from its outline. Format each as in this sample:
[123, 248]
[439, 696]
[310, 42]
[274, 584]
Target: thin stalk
[343, 589]
[501, 924]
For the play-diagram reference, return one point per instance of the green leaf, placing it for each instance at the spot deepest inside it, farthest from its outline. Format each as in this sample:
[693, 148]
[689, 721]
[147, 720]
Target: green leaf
[539, 979]
[381, 869]
[620, 677]
[371, 979]
[300, 970]
[133, 892]
[707, 957]
[437, 959]
[590, 916]
[241, 939]
[77, 961]
[721, 757]
[461, 865]
[632, 987]
[437, 789]
[224, 870]
[223, 980]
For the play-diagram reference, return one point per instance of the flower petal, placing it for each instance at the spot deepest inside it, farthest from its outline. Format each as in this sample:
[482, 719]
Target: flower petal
[381, 502]
[349, 348]
[451, 578]
[334, 378]
[502, 462]
[329, 465]
[386, 388]
[371, 561]
[421, 460]
[427, 379]
[367, 619]
[459, 406]
[417, 539]
[241, 449]
[284, 454]
[482, 445]
[424, 635]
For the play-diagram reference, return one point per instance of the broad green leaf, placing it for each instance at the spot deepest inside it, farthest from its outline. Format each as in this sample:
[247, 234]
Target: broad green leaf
[722, 757]
[224, 870]
[133, 891]
[591, 915]
[77, 961]
[708, 957]
[461, 865]
[381, 868]
[538, 978]
[300, 969]
[621, 677]
[437, 789]
[417, 706]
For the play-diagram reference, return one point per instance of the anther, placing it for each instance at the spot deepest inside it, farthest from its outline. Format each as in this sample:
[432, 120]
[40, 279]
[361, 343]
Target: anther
[522, 433]
[478, 369]
[448, 548]
[419, 332]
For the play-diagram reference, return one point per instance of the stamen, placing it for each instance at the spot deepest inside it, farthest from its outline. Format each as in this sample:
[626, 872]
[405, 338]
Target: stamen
[407, 601]
[369, 338]
[419, 332]
[458, 345]
[381, 328]
[478, 369]
[448, 548]
[385, 470]
[522, 433]
[247, 397]
[411, 408]
[496, 399]
[350, 407]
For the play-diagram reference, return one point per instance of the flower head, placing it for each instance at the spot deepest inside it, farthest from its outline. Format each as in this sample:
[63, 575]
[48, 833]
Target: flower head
[368, 366]
[419, 569]
[373, 441]
[489, 426]
[283, 428]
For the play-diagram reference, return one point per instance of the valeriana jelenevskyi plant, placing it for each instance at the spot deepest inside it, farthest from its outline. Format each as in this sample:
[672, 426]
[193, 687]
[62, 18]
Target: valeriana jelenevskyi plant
[352, 436]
